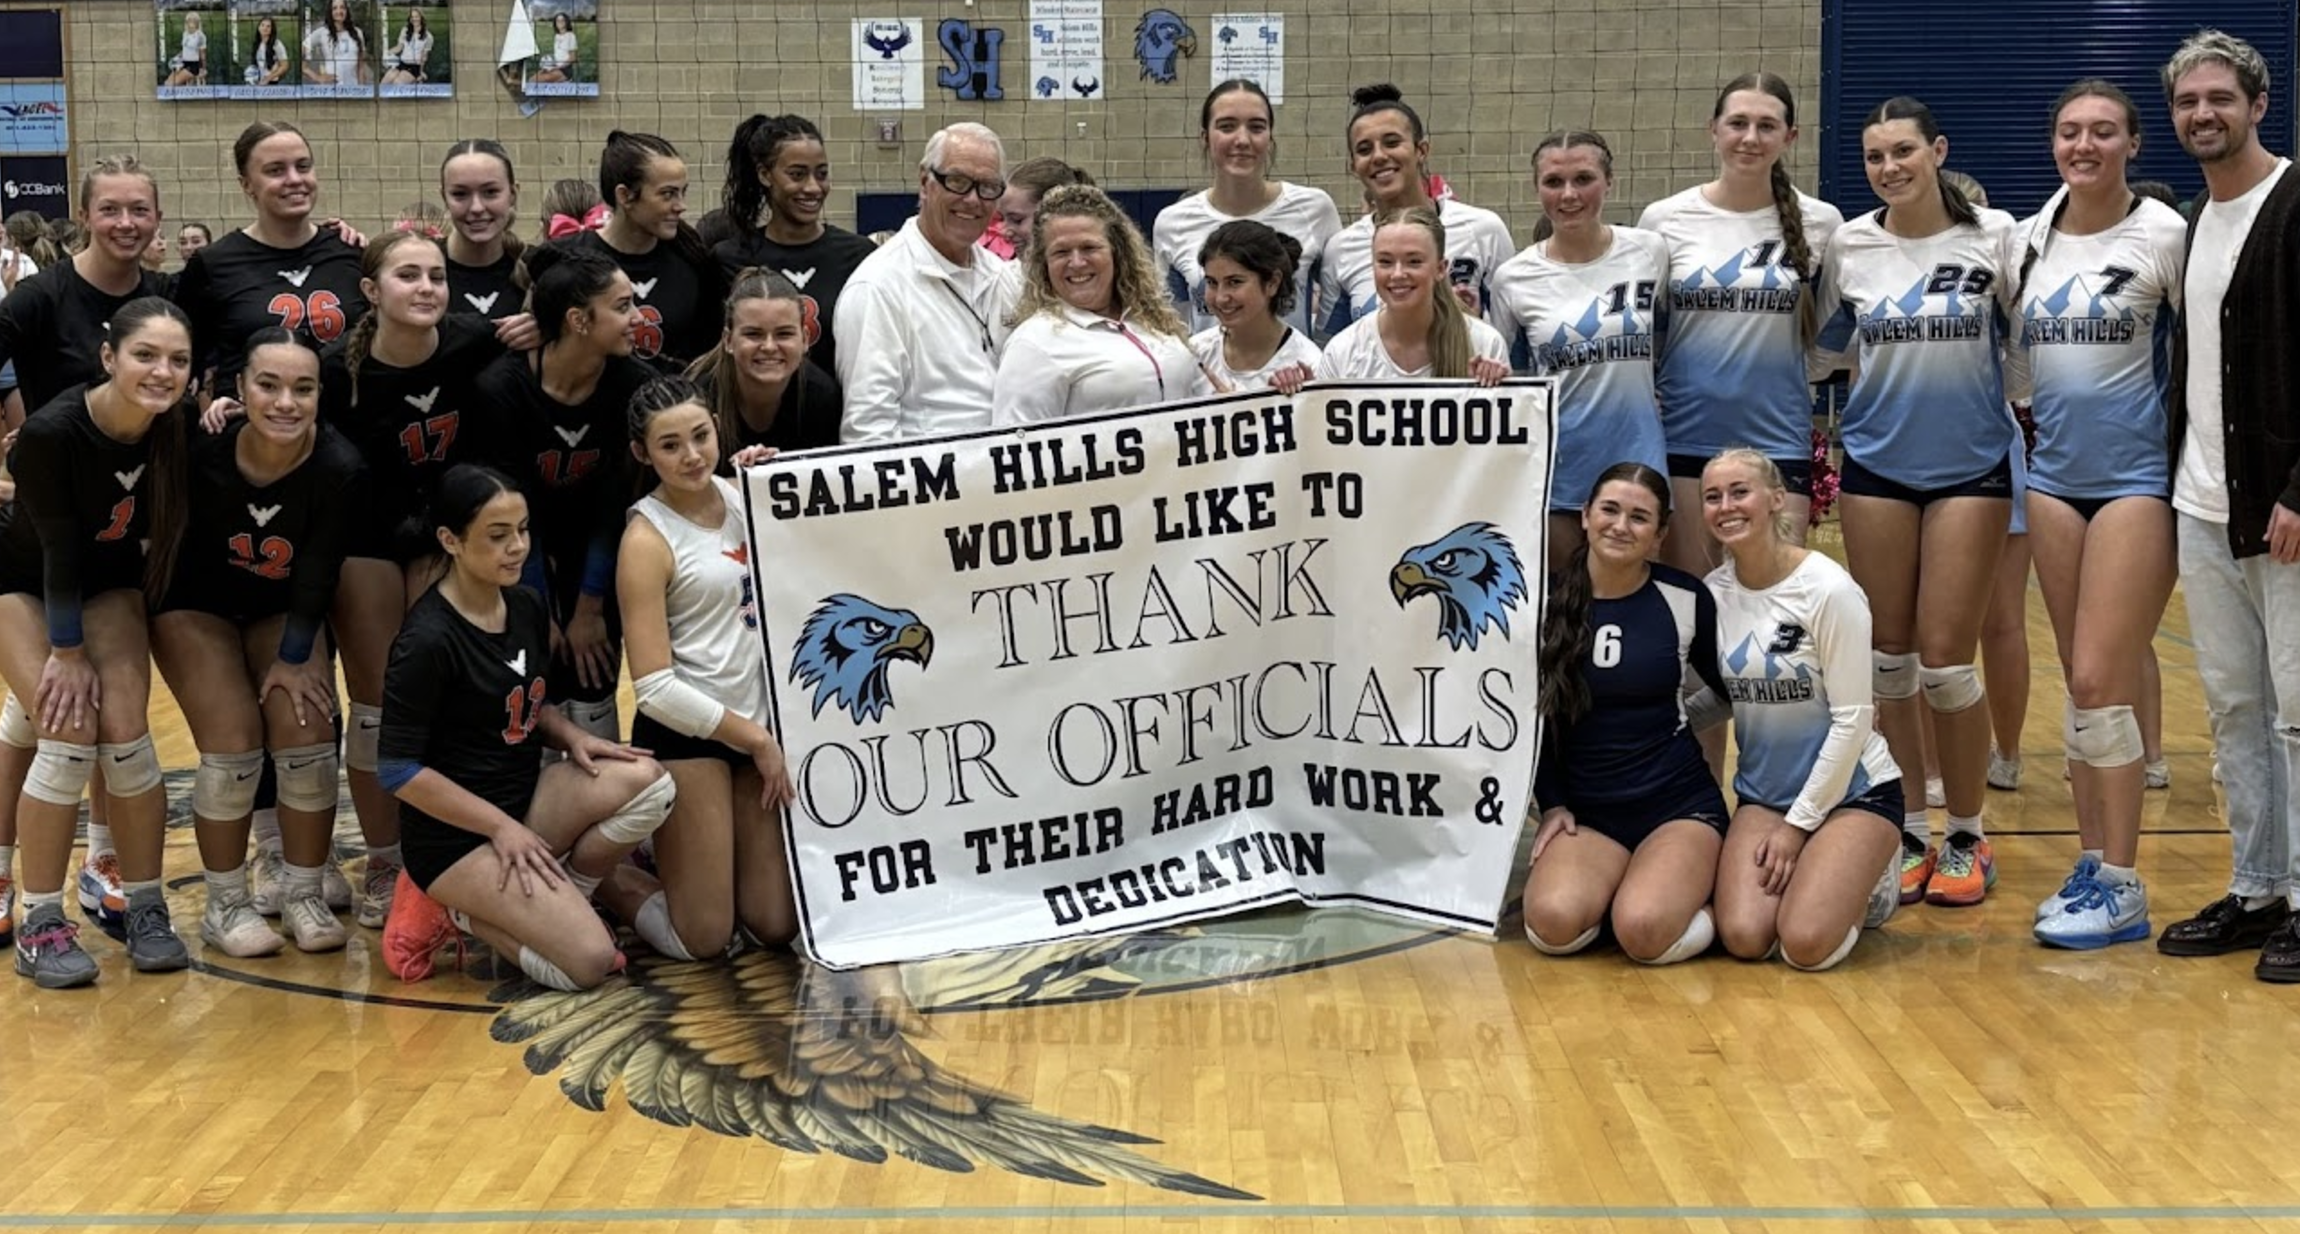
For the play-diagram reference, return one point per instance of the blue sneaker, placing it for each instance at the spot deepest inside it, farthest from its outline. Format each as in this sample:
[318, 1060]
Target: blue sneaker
[2100, 915]
[2087, 867]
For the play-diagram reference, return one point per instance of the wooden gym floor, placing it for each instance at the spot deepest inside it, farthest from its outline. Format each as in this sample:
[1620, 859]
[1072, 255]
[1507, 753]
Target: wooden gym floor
[1289, 1071]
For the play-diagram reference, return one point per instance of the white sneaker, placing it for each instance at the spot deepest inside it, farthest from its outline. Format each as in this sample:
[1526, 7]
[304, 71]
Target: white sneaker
[2158, 774]
[316, 929]
[1885, 897]
[2101, 915]
[267, 881]
[375, 892]
[1935, 798]
[2004, 773]
[2086, 869]
[333, 886]
[236, 929]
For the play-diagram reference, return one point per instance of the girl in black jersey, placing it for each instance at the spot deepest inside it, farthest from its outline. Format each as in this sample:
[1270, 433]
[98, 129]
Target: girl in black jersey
[52, 324]
[281, 270]
[778, 181]
[238, 637]
[89, 539]
[760, 387]
[554, 423]
[513, 848]
[484, 272]
[1631, 820]
[674, 279]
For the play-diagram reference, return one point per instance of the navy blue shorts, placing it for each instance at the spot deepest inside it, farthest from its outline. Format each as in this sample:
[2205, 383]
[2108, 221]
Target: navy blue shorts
[1628, 823]
[1862, 482]
[1883, 800]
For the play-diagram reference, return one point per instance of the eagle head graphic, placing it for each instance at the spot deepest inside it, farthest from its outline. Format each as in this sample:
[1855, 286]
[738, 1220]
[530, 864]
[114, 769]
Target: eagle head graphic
[886, 38]
[1161, 38]
[846, 647]
[1473, 571]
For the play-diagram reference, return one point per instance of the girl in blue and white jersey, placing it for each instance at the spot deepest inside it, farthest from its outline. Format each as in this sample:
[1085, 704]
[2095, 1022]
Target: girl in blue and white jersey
[1234, 125]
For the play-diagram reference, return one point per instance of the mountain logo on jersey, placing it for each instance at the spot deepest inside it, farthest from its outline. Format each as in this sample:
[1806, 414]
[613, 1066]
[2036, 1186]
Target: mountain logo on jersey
[1476, 576]
[422, 402]
[2086, 309]
[1719, 289]
[646, 289]
[572, 436]
[1963, 315]
[128, 479]
[1782, 683]
[482, 303]
[1584, 341]
[846, 647]
[264, 516]
[295, 278]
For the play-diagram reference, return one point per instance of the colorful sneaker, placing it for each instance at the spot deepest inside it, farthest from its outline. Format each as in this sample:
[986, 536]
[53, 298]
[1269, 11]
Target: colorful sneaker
[334, 888]
[2099, 915]
[375, 888]
[2004, 773]
[103, 902]
[1885, 897]
[2087, 866]
[315, 928]
[1965, 872]
[152, 943]
[1917, 858]
[48, 951]
[236, 929]
[2158, 774]
[267, 881]
[7, 910]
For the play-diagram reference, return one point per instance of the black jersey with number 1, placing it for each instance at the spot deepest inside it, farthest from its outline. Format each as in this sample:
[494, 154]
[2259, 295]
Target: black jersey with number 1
[252, 551]
[52, 327]
[410, 425]
[239, 285]
[464, 702]
[81, 518]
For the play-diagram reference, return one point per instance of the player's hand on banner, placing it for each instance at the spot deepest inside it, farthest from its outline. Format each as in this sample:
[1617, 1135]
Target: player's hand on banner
[1290, 379]
[1555, 821]
[1487, 371]
[752, 456]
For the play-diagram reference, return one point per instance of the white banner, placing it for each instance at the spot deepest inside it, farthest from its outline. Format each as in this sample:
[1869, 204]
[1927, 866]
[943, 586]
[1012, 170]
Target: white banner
[1130, 670]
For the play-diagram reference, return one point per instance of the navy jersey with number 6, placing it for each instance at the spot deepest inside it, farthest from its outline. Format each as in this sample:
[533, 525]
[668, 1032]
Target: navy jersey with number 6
[240, 285]
[1651, 650]
[464, 702]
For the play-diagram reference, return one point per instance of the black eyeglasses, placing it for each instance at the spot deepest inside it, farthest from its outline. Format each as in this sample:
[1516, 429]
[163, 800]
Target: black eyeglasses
[953, 182]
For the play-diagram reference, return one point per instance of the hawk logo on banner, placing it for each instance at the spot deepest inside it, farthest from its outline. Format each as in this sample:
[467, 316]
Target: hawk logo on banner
[1475, 574]
[1161, 39]
[846, 648]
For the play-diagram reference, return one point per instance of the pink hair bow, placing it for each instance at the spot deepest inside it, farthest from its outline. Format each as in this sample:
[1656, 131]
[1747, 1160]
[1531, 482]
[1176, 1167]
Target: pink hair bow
[562, 226]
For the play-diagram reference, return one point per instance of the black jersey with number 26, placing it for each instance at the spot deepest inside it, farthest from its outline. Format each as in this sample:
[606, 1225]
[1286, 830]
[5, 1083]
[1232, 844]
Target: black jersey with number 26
[239, 285]
[464, 702]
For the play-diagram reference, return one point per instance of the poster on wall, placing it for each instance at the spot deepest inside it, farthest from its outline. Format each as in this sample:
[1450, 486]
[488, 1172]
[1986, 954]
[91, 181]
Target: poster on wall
[418, 59]
[566, 63]
[1251, 46]
[32, 117]
[266, 53]
[1065, 49]
[890, 64]
[191, 41]
[339, 52]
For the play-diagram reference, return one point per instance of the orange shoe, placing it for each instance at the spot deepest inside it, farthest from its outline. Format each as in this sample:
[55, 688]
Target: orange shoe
[417, 928]
[1966, 870]
[7, 910]
[1917, 858]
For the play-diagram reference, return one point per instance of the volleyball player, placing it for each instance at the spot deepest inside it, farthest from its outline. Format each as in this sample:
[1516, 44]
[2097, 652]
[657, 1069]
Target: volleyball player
[239, 639]
[1234, 128]
[99, 475]
[675, 281]
[1918, 292]
[513, 848]
[1631, 819]
[1418, 328]
[1744, 250]
[1582, 305]
[554, 422]
[1249, 281]
[758, 383]
[1808, 857]
[2099, 285]
[484, 274]
[690, 618]
[1389, 154]
[778, 183]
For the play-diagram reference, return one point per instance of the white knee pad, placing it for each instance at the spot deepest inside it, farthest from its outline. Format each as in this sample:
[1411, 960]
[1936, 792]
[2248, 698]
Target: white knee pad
[1582, 943]
[307, 776]
[1852, 936]
[639, 817]
[1699, 933]
[131, 768]
[363, 738]
[596, 718]
[1894, 676]
[224, 788]
[1951, 689]
[60, 772]
[2104, 736]
[16, 727]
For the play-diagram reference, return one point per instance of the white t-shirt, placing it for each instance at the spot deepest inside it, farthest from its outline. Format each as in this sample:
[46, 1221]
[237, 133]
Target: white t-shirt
[1357, 352]
[1476, 243]
[1074, 363]
[2200, 487]
[1306, 214]
[414, 51]
[1295, 348]
[195, 49]
[563, 49]
[338, 54]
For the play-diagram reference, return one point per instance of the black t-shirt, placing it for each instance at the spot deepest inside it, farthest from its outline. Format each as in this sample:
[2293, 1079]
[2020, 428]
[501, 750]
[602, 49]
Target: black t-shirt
[464, 702]
[807, 417]
[570, 461]
[489, 291]
[819, 270]
[81, 518]
[52, 327]
[237, 286]
[250, 551]
[681, 307]
[409, 424]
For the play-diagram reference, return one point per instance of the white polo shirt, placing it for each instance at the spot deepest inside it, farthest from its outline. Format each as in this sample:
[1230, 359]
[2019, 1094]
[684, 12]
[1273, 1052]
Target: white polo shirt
[919, 339]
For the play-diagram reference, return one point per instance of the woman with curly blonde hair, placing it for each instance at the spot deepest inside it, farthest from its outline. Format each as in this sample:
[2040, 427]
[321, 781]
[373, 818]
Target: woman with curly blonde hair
[1094, 330]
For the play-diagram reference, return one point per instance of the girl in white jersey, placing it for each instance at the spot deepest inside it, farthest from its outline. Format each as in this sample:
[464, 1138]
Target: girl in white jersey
[691, 630]
[1234, 126]
[1808, 858]
[1919, 293]
[1420, 329]
[1580, 305]
[2099, 288]
[1248, 271]
[1743, 252]
[1389, 154]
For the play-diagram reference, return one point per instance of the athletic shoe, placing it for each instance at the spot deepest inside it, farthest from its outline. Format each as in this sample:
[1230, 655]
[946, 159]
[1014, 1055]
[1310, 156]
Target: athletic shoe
[1885, 897]
[2004, 773]
[1936, 797]
[267, 881]
[2087, 867]
[152, 943]
[2280, 955]
[1917, 858]
[236, 929]
[417, 929]
[103, 902]
[375, 889]
[334, 888]
[7, 910]
[2223, 926]
[1965, 872]
[48, 951]
[2158, 774]
[2100, 915]
[315, 928]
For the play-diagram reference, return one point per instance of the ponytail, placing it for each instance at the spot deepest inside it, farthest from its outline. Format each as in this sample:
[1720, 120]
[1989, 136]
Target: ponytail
[623, 164]
[1566, 639]
[1798, 248]
[1449, 326]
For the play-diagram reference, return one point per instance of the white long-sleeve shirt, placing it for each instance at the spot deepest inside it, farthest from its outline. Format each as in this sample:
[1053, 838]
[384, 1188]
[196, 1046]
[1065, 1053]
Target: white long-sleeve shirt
[919, 339]
[1074, 363]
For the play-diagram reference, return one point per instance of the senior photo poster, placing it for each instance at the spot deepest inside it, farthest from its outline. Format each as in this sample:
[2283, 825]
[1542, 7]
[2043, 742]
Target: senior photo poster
[339, 51]
[266, 52]
[566, 62]
[418, 59]
[191, 37]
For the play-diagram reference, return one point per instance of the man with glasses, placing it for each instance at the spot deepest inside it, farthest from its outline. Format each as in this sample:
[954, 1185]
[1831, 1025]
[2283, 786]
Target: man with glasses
[927, 312]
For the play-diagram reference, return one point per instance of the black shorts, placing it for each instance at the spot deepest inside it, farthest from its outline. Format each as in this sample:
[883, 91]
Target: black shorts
[2089, 508]
[1883, 800]
[429, 848]
[97, 577]
[1628, 823]
[1862, 482]
[194, 67]
[242, 607]
[669, 746]
[1796, 473]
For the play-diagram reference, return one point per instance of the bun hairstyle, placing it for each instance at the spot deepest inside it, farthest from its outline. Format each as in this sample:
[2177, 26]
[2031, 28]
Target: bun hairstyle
[462, 493]
[563, 278]
[1380, 97]
[1566, 635]
[1264, 252]
[623, 164]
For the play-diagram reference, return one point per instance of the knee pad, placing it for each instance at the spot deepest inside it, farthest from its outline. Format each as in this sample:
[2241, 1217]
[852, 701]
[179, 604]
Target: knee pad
[596, 718]
[224, 788]
[16, 727]
[639, 817]
[1699, 933]
[60, 772]
[1582, 943]
[1852, 936]
[131, 768]
[307, 776]
[363, 738]
[2104, 736]
[1895, 676]
[1952, 689]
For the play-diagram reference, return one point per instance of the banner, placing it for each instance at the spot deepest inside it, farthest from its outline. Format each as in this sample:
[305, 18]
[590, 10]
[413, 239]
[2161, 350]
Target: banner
[193, 37]
[566, 62]
[417, 40]
[339, 49]
[266, 58]
[1125, 671]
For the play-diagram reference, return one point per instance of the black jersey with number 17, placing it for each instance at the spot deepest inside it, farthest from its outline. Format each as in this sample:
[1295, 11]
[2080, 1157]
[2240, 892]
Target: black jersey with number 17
[410, 425]
[464, 702]
[239, 285]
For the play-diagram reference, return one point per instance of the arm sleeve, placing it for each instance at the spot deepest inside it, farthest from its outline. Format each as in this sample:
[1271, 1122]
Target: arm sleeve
[1029, 387]
[874, 356]
[341, 494]
[412, 680]
[44, 491]
[1330, 307]
[1841, 631]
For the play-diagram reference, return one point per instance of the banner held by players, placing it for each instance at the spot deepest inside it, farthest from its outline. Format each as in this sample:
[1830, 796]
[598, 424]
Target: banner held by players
[1131, 670]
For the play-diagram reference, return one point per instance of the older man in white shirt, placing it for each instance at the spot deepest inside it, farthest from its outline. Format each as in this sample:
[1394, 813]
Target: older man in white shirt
[921, 322]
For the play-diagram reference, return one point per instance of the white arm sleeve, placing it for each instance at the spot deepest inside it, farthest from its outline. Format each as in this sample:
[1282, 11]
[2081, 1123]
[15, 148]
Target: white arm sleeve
[1841, 632]
[676, 705]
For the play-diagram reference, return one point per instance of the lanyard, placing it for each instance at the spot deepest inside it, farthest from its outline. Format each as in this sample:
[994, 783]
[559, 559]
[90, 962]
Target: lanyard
[1158, 370]
[988, 348]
